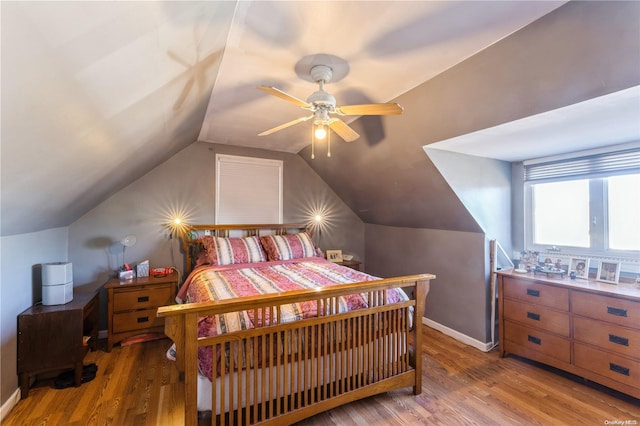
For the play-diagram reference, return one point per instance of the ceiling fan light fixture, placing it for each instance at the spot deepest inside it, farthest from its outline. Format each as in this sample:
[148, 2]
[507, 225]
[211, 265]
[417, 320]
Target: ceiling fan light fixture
[320, 132]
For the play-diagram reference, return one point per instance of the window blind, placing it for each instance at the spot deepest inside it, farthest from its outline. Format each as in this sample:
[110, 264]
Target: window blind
[248, 190]
[601, 164]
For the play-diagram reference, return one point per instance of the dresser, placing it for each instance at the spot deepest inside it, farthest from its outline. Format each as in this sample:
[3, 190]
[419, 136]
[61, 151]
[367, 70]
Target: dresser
[587, 328]
[57, 337]
[133, 304]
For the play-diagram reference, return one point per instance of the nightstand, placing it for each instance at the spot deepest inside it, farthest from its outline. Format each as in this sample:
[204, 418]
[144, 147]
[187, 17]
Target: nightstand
[57, 337]
[353, 264]
[133, 305]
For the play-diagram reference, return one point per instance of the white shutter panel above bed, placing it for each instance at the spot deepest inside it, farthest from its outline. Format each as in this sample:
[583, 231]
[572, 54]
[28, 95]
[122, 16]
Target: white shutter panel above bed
[248, 190]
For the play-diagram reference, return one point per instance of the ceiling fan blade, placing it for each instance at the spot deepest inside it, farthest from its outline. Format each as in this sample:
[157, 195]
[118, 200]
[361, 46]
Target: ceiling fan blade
[343, 130]
[282, 95]
[285, 125]
[370, 109]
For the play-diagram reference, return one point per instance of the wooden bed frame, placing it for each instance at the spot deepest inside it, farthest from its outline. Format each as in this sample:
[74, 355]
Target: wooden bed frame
[312, 365]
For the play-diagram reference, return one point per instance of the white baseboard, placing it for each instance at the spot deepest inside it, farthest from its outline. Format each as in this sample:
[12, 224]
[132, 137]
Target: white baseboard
[9, 404]
[484, 347]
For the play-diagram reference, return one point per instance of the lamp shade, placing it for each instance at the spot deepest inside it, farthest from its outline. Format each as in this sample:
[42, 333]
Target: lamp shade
[129, 241]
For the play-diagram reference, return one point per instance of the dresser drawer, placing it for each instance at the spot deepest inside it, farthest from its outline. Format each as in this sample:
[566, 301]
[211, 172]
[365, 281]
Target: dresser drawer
[605, 308]
[537, 316]
[622, 340]
[539, 341]
[536, 293]
[136, 320]
[616, 367]
[142, 299]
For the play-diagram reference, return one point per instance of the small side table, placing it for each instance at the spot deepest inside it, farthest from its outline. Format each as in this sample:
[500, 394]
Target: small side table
[57, 337]
[133, 306]
[353, 264]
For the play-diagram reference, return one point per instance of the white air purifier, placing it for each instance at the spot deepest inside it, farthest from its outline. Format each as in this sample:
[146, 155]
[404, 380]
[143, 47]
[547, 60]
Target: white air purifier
[57, 283]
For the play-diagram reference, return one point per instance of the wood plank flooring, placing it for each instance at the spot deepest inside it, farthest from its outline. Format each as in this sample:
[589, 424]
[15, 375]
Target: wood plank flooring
[136, 385]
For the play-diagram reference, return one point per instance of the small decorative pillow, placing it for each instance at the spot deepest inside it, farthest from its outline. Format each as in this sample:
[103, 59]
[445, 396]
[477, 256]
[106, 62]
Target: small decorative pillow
[227, 251]
[287, 247]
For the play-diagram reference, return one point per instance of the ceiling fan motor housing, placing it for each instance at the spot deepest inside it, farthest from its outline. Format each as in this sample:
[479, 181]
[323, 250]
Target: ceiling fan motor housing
[321, 97]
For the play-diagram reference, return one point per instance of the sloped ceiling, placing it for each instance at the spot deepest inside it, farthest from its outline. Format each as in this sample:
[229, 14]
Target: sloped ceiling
[96, 94]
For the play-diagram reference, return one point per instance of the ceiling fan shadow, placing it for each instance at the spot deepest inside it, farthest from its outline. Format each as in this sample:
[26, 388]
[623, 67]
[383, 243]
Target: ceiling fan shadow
[372, 129]
[370, 126]
[196, 73]
[432, 28]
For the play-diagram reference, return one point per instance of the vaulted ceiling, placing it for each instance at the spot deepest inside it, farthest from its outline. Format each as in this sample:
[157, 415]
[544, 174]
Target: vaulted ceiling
[96, 94]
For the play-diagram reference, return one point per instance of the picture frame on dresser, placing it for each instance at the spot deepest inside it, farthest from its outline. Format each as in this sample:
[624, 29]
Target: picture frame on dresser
[579, 265]
[608, 272]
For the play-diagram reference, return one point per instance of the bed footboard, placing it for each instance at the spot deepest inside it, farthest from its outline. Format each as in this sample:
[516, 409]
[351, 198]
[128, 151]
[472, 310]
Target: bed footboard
[283, 372]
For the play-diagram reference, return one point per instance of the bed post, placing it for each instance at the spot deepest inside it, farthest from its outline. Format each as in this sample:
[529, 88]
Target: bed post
[421, 290]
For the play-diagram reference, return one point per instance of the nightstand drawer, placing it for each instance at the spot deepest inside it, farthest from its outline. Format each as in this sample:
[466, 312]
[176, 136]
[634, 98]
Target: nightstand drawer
[539, 294]
[136, 320]
[142, 299]
[537, 316]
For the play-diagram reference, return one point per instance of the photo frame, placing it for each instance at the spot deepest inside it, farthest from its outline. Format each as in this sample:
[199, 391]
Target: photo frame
[608, 272]
[334, 256]
[579, 265]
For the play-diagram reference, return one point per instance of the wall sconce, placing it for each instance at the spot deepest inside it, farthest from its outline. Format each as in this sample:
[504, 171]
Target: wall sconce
[177, 227]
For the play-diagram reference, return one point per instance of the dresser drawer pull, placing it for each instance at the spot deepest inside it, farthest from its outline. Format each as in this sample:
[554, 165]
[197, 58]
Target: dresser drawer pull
[618, 340]
[532, 292]
[618, 369]
[143, 299]
[533, 316]
[143, 319]
[617, 311]
[535, 340]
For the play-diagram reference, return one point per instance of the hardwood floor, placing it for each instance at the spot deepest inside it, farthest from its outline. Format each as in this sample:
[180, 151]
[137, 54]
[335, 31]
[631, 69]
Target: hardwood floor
[136, 385]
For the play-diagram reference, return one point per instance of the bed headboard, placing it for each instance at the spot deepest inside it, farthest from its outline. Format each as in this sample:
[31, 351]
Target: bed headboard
[192, 236]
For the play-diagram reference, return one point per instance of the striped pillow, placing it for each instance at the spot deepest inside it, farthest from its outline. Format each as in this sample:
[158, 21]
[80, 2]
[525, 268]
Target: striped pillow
[227, 251]
[287, 247]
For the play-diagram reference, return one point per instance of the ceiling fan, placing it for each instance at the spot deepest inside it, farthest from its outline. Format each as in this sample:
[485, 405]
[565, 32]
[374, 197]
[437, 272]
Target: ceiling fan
[322, 104]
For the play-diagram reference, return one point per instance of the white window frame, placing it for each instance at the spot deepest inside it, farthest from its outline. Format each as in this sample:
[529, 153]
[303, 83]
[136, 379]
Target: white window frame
[248, 190]
[597, 209]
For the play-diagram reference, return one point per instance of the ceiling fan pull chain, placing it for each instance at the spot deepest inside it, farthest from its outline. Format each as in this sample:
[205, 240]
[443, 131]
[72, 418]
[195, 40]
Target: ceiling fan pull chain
[313, 139]
[328, 142]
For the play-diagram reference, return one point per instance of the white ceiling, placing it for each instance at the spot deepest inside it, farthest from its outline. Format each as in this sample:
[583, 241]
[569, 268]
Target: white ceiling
[603, 121]
[96, 94]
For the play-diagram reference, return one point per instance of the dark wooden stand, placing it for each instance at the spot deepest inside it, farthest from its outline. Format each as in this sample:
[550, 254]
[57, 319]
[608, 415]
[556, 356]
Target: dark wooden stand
[53, 337]
[353, 264]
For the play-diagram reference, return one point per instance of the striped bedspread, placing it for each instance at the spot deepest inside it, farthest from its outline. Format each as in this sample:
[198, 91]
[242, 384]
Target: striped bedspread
[232, 281]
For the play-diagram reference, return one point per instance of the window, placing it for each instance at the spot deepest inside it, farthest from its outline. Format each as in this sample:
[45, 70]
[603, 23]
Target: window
[248, 190]
[587, 204]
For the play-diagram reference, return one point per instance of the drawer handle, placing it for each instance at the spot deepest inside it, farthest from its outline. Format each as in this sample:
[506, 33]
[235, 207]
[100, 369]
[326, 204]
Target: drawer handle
[617, 311]
[143, 319]
[618, 340]
[535, 340]
[618, 369]
[532, 292]
[143, 299]
[533, 316]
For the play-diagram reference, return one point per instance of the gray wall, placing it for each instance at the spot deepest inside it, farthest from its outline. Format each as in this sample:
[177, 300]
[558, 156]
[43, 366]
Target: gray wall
[21, 257]
[186, 183]
[458, 295]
